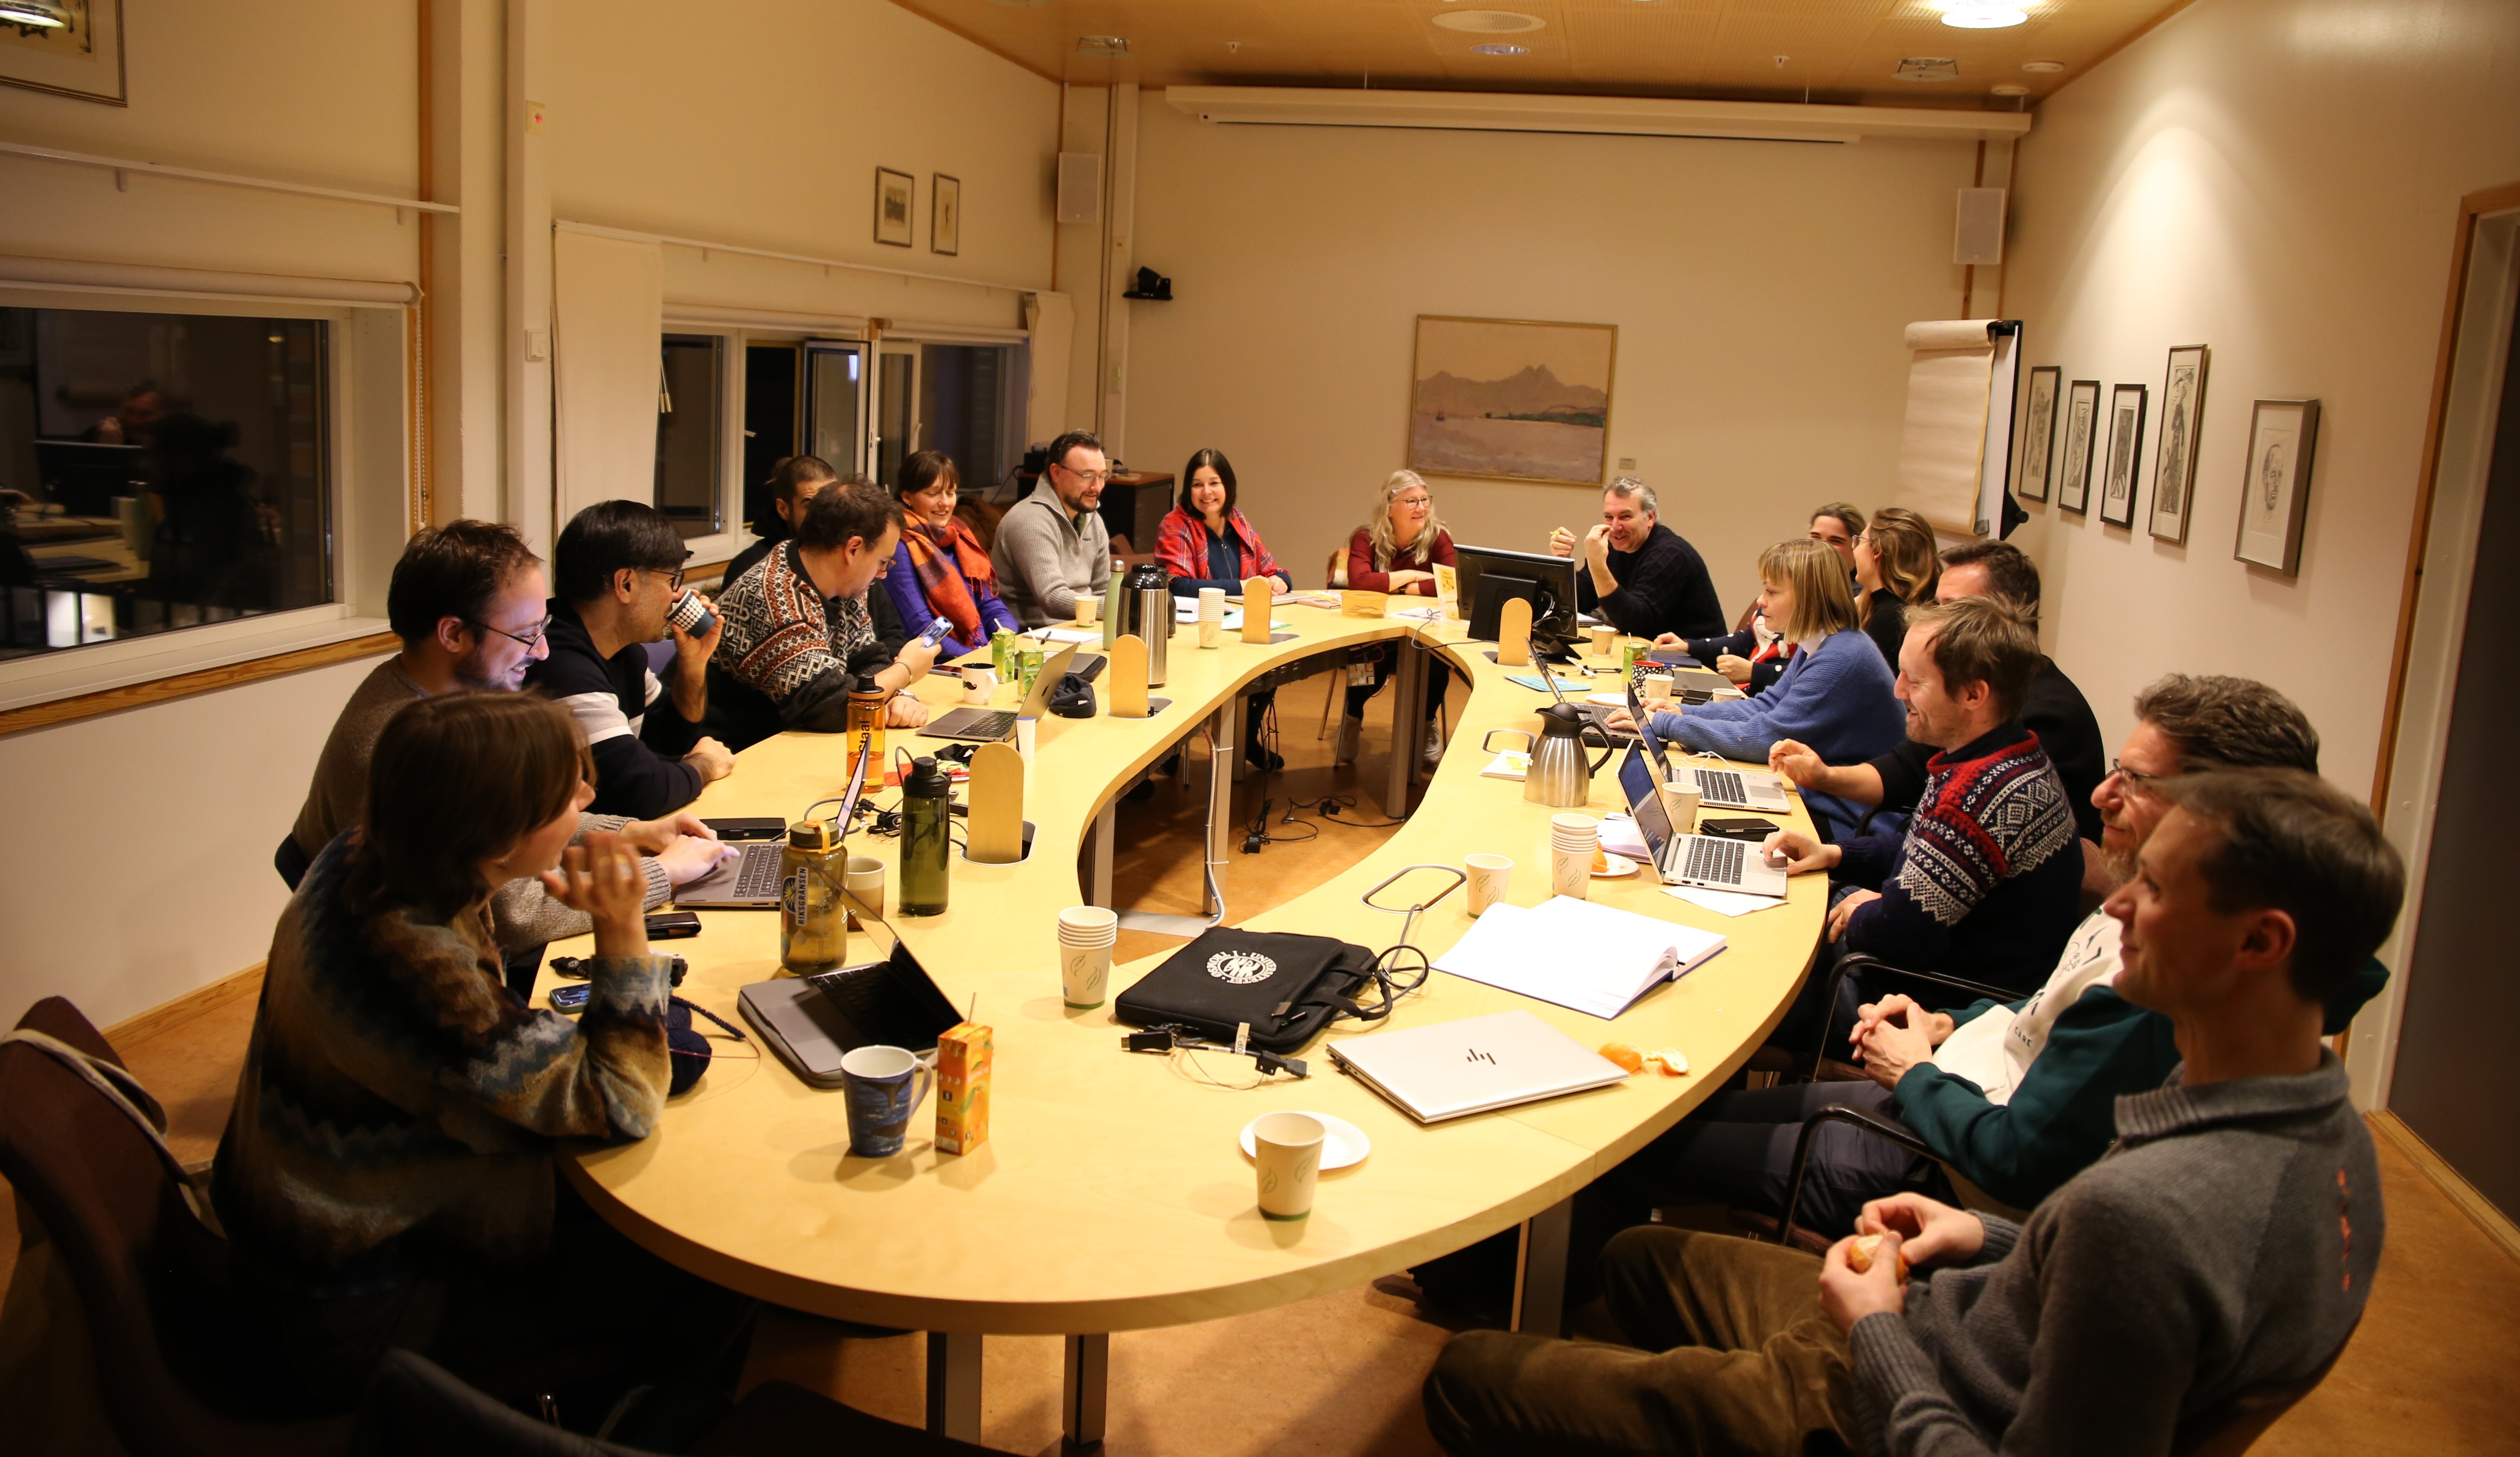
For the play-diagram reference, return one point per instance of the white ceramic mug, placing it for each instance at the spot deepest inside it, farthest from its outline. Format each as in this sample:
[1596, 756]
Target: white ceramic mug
[1489, 875]
[979, 684]
[863, 878]
[1086, 936]
[1288, 1148]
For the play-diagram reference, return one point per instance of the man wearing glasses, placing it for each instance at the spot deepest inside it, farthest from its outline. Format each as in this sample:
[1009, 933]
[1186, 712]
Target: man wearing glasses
[618, 566]
[467, 600]
[1051, 545]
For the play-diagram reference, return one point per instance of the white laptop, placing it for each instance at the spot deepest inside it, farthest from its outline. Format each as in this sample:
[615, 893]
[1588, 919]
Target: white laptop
[749, 880]
[1704, 861]
[1478, 1063]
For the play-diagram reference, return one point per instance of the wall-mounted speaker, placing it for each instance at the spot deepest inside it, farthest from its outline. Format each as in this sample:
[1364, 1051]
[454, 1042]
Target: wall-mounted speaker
[1080, 186]
[1977, 237]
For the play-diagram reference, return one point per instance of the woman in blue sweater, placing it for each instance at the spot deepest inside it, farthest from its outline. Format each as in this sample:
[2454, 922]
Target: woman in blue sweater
[1836, 686]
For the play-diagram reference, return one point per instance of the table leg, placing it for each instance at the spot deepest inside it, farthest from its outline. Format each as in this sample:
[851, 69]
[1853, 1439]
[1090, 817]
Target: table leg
[1099, 892]
[1233, 731]
[953, 1385]
[1224, 755]
[1087, 1382]
[1408, 725]
[1540, 1271]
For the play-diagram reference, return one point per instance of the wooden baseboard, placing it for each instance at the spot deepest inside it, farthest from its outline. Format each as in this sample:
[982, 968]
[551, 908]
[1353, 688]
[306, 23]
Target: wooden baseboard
[168, 1016]
[2498, 1226]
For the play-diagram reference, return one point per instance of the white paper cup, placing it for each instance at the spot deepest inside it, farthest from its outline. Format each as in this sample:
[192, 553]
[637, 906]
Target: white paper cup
[1572, 839]
[1683, 809]
[1089, 609]
[1211, 632]
[1211, 604]
[1086, 935]
[1027, 731]
[1287, 1148]
[1489, 875]
[863, 878]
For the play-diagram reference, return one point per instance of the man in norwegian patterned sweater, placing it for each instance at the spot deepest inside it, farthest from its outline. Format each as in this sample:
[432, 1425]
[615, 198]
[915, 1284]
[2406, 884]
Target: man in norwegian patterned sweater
[1986, 881]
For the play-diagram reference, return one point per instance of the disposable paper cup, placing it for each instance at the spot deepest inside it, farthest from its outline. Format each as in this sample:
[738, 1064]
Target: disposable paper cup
[1212, 633]
[1086, 935]
[1489, 875]
[1028, 731]
[863, 878]
[1572, 839]
[1683, 809]
[1088, 611]
[1287, 1148]
[1602, 640]
[1211, 604]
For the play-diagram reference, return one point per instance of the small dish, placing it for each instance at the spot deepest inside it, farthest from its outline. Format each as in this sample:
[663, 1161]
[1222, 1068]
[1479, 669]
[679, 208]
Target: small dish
[1614, 866]
[1343, 1143]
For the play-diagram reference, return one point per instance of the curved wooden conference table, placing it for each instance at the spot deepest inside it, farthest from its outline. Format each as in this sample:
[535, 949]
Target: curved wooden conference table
[1111, 1193]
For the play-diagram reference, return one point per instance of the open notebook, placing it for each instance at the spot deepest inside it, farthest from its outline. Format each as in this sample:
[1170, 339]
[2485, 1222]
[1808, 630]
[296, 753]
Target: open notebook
[1587, 957]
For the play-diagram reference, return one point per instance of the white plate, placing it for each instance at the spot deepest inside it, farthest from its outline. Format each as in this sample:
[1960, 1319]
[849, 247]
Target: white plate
[1345, 1142]
[1614, 866]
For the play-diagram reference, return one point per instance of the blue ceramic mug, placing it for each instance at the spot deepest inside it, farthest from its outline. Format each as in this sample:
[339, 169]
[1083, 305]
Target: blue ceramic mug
[885, 1086]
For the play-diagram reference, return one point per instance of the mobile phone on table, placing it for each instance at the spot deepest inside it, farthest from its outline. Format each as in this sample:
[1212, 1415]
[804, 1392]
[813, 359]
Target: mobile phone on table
[672, 925]
[1753, 831]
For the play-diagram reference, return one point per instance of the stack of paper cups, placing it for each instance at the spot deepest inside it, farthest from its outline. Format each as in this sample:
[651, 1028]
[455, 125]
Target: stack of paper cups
[1211, 616]
[1085, 936]
[1572, 839]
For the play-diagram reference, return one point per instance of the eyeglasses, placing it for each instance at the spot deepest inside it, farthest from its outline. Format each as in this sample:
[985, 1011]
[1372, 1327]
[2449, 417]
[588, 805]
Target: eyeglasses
[2133, 779]
[673, 575]
[1090, 478]
[529, 637]
[1413, 502]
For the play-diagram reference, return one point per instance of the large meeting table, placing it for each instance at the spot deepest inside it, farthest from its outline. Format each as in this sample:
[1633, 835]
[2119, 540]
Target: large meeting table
[1113, 1193]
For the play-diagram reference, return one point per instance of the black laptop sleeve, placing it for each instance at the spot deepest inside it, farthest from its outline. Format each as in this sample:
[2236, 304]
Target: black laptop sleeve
[1286, 986]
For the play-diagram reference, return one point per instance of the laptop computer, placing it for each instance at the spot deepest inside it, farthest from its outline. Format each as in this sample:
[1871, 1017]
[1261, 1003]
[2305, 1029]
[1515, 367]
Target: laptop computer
[1477, 1064]
[1702, 861]
[749, 881]
[812, 1022]
[989, 725]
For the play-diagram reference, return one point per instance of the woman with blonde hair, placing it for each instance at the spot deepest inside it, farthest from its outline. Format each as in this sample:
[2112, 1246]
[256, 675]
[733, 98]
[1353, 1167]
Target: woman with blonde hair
[1835, 688]
[1895, 563]
[1397, 550]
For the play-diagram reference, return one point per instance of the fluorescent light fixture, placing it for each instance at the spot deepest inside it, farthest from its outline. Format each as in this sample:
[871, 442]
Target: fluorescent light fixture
[1493, 48]
[1490, 22]
[34, 13]
[1969, 17]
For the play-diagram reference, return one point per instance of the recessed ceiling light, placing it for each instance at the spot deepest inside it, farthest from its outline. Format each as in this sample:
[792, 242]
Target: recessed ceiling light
[1102, 45]
[1499, 48]
[2008, 90]
[1489, 22]
[2042, 68]
[1972, 17]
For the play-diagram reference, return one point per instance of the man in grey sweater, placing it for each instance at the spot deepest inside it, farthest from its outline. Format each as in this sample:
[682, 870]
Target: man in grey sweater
[1051, 545]
[2226, 1242]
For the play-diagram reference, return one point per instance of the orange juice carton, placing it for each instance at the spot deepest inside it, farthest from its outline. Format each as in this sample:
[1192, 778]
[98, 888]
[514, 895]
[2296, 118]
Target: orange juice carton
[964, 1054]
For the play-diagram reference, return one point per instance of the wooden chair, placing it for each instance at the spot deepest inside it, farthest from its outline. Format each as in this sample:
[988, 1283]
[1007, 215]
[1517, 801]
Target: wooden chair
[2233, 1427]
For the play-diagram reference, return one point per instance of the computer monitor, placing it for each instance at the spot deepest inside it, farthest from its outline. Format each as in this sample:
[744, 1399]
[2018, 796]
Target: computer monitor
[1486, 577]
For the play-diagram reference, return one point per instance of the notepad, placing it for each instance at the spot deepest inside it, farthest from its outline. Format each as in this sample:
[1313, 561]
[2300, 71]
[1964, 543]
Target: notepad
[1513, 763]
[1533, 682]
[1588, 958]
[1055, 635]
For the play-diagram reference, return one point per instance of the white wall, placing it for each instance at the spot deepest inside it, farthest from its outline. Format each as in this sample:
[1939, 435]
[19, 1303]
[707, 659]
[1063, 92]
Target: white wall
[2278, 179]
[1759, 290]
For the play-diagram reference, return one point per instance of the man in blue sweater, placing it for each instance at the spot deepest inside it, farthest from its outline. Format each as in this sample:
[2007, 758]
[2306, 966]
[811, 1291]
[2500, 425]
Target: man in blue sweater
[2227, 1242]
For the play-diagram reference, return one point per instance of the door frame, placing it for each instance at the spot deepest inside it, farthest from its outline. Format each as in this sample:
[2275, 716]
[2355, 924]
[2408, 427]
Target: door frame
[2423, 667]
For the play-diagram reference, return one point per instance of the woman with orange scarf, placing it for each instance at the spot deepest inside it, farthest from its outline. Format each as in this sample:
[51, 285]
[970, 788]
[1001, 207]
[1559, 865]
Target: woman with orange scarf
[940, 569]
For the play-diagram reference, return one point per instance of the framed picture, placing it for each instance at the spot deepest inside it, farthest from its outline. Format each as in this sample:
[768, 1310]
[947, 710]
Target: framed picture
[1511, 399]
[2038, 432]
[2174, 472]
[2082, 418]
[944, 215]
[893, 192]
[2283, 434]
[82, 58]
[2125, 451]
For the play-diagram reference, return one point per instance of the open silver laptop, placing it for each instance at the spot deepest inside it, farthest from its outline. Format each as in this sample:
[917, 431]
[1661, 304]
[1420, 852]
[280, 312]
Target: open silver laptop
[990, 725]
[1719, 787]
[750, 882]
[1703, 861]
[1455, 1069]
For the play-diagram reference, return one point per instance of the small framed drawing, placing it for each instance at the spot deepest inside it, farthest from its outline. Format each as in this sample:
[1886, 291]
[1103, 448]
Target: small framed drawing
[2282, 435]
[2038, 433]
[2082, 416]
[2126, 449]
[2174, 472]
[69, 48]
[944, 215]
[893, 192]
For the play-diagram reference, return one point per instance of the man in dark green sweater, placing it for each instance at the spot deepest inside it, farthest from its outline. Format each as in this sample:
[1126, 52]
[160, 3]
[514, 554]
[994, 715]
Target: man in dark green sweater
[2226, 1242]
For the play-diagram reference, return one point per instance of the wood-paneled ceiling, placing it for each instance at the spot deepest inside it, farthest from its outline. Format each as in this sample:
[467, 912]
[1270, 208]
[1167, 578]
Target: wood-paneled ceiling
[1837, 51]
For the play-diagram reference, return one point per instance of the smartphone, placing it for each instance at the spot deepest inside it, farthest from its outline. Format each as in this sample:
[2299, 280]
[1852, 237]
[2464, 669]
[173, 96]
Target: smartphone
[672, 925]
[571, 998]
[736, 831]
[936, 630]
[1753, 831]
[567, 966]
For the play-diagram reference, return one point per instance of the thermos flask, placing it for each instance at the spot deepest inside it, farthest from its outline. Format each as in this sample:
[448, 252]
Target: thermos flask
[926, 843]
[813, 933]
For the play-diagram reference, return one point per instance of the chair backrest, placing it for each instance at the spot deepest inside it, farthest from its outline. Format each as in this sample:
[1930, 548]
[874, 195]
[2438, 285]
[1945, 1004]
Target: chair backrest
[416, 1409]
[57, 1018]
[1337, 572]
[2233, 1427]
[125, 1235]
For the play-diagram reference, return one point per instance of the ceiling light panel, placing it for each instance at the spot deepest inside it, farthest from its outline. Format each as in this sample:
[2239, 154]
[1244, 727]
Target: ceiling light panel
[1490, 22]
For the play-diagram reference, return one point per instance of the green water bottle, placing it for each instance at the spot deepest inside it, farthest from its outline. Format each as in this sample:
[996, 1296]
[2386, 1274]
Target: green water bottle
[926, 842]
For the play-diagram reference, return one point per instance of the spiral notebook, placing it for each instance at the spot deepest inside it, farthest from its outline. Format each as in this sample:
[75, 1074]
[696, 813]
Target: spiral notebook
[1585, 957]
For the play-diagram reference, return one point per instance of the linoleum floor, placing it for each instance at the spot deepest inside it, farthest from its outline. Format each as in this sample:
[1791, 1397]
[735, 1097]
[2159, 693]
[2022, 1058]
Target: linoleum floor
[2427, 1373]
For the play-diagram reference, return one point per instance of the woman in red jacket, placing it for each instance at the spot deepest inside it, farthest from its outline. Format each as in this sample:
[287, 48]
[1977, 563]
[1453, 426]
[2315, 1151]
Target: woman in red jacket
[1397, 551]
[1206, 541]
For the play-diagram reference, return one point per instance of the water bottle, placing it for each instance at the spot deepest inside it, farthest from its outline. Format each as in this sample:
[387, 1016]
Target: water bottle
[812, 932]
[1111, 605]
[926, 843]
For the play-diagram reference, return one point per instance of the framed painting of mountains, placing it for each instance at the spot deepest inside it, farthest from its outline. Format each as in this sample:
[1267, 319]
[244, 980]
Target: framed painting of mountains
[1511, 399]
